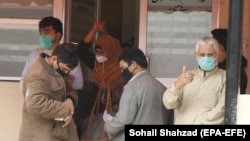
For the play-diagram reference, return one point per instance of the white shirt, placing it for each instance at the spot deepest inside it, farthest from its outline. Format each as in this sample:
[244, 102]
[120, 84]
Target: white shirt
[76, 72]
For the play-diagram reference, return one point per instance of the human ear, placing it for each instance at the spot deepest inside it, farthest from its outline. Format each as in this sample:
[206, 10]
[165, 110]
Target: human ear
[133, 65]
[58, 36]
[54, 58]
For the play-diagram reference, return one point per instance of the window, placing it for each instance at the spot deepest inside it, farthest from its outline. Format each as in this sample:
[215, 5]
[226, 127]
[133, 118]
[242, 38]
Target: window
[19, 33]
[173, 28]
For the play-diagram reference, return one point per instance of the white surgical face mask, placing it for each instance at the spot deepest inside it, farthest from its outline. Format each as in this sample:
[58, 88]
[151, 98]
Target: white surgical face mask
[101, 59]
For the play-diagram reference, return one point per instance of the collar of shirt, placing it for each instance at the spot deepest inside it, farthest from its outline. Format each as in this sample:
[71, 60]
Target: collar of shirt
[136, 75]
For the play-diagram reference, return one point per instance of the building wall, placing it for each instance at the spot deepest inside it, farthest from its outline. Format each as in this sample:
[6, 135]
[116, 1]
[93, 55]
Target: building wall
[10, 110]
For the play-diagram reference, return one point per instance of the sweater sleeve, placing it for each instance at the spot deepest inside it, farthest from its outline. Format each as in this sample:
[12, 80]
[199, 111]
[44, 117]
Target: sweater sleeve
[127, 111]
[172, 97]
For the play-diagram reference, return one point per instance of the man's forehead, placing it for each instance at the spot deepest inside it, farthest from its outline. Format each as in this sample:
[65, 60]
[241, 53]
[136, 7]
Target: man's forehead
[47, 28]
[123, 63]
[206, 47]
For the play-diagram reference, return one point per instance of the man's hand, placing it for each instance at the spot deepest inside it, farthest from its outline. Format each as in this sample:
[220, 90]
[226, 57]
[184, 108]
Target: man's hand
[67, 120]
[69, 103]
[99, 26]
[184, 78]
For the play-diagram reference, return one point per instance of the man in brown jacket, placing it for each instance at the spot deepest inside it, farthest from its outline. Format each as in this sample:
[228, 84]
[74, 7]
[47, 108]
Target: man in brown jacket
[49, 99]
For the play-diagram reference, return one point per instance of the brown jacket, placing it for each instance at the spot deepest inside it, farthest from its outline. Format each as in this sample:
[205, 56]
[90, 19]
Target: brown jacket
[44, 91]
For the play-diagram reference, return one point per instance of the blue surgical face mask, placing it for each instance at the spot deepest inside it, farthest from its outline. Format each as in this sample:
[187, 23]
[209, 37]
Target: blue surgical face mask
[45, 41]
[206, 63]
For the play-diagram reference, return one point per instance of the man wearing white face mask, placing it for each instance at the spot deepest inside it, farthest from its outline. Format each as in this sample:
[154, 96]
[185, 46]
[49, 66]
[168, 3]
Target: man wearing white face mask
[199, 95]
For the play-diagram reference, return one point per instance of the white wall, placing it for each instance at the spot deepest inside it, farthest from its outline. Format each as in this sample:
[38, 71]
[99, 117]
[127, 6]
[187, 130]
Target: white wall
[10, 110]
[243, 110]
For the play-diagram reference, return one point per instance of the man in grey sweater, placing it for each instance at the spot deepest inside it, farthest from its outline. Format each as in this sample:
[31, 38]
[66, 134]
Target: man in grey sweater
[141, 101]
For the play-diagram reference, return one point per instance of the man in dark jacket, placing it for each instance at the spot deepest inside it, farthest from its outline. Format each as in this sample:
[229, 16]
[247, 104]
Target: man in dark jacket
[220, 34]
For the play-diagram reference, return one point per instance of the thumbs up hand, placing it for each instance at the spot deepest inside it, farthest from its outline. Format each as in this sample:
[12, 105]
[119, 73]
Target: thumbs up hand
[184, 78]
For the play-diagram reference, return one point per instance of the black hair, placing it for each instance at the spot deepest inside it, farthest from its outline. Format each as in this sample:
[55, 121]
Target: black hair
[126, 45]
[220, 34]
[52, 21]
[134, 54]
[67, 54]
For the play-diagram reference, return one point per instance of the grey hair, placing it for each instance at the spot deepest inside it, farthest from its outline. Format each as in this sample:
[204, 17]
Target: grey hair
[207, 40]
